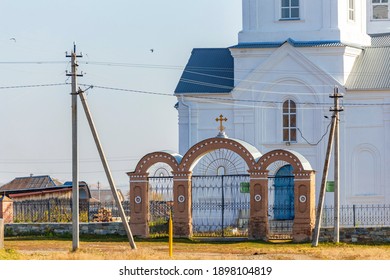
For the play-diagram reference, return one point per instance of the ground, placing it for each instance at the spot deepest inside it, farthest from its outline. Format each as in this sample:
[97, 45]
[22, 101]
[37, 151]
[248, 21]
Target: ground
[114, 248]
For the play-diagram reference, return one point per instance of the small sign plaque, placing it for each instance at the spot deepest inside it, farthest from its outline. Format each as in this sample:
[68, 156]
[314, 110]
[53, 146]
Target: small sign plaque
[244, 187]
[329, 186]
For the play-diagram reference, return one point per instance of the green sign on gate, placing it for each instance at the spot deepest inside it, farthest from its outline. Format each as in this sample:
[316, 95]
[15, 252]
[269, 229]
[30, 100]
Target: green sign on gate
[244, 187]
[329, 186]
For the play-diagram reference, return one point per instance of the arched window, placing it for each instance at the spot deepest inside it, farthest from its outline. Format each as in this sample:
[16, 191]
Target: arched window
[289, 121]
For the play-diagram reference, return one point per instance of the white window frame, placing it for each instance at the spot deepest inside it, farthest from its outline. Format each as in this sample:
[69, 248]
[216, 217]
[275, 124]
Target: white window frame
[351, 10]
[289, 115]
[290, 8]
[375, 3]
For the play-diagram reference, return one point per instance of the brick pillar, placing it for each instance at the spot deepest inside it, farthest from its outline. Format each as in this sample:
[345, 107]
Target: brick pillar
[258, 221]
[304, 206]
[139, 205]
[182, 204]
[6, 209]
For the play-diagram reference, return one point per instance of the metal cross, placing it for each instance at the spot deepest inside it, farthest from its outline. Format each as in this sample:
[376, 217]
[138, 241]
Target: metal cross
[220, 120]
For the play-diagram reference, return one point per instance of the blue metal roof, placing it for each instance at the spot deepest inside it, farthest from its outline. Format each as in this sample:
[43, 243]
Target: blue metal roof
[292, 42]
[209, 70]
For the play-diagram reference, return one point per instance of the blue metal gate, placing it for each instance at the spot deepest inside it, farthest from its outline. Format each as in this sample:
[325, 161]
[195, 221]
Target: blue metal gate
[284, 194]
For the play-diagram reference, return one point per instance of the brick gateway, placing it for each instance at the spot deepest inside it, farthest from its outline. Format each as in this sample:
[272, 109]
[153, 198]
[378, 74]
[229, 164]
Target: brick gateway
[258, 169]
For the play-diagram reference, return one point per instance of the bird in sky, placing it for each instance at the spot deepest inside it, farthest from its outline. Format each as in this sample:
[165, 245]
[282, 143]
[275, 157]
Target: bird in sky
[151, 50]
[13, 39]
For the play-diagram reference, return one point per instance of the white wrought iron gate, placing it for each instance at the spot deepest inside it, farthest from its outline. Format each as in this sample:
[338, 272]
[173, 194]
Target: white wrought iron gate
[220, 205]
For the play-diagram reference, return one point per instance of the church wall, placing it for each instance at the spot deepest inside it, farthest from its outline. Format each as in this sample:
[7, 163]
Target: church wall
[337, 61]
[386, 152]
[319, 20]
[183, 123]
[262, 22]
[365, 149]
[208, 126]
[353, 31]
[246, 60]
[244, 124]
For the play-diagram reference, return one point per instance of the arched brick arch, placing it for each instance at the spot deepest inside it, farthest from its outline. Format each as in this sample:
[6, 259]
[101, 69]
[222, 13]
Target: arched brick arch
[172, 159]
[139, 189]
[304, 188]
[246, 151]
[304, 195]
[297, 161]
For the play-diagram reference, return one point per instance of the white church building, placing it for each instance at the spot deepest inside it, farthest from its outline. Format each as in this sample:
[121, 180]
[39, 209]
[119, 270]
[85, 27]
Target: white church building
[273, 87]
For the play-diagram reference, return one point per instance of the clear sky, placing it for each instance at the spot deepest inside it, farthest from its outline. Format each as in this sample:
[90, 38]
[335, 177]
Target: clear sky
[115, 38]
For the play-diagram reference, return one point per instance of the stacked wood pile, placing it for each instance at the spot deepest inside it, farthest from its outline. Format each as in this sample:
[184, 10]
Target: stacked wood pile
[103, 215]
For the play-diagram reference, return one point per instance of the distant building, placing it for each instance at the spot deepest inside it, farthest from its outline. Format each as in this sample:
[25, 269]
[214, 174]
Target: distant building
[105, 195]
[41, 188]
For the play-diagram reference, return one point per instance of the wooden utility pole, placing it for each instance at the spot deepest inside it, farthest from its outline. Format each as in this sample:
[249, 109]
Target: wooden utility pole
[336, 110]
[75, 160]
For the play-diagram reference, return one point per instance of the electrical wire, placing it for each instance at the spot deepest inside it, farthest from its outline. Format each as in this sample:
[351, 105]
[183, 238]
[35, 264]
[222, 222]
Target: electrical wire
[319, 141]
[32, 86]
[193, 96]
[33, 62]
[225, 99]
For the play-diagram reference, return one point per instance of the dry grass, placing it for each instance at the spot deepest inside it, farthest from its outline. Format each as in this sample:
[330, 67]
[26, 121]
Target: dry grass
[24, 249]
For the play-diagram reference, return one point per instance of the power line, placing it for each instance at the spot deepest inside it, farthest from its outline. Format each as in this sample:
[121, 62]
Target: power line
[203, 97]
[33, 62]
[195, 71]
[33, 86]
[230, 99]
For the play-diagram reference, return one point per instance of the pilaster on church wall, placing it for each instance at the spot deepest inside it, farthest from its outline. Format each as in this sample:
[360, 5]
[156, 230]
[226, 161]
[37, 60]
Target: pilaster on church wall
[386, 110]
[188, 123]
[244, 124]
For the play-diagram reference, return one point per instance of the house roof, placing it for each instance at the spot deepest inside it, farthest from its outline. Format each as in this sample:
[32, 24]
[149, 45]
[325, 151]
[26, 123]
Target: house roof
[4, 198]
[371, 70]
[30, 183]
[209, 70]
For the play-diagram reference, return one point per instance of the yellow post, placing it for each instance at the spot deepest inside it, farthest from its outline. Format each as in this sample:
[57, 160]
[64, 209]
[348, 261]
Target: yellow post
[170, 229]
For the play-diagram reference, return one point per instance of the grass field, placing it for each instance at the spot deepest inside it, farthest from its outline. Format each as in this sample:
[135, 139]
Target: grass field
[117, 248]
